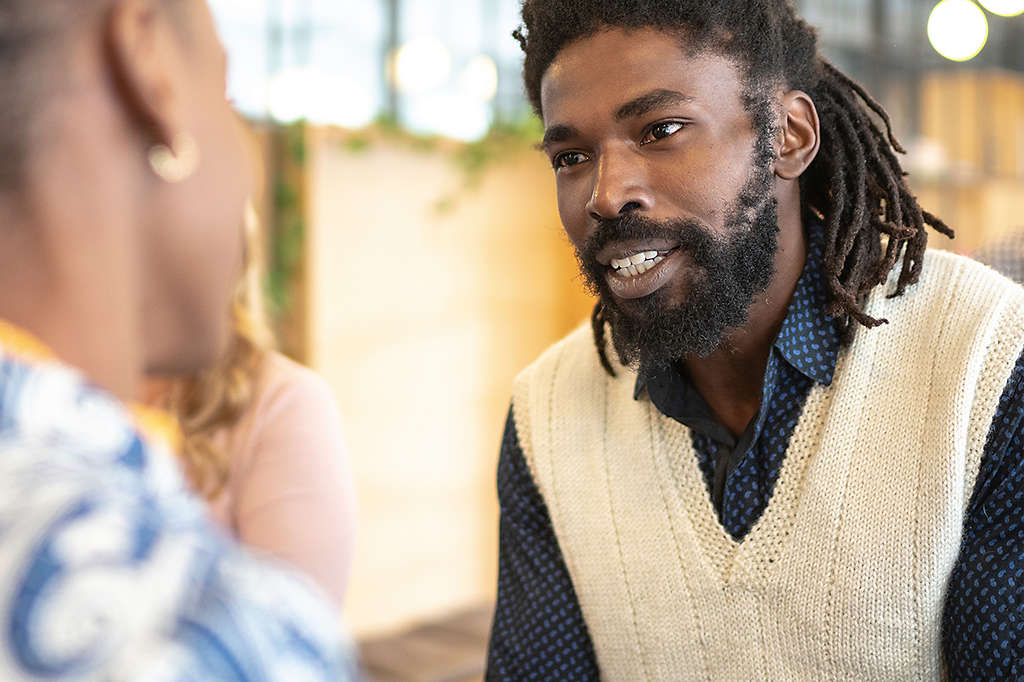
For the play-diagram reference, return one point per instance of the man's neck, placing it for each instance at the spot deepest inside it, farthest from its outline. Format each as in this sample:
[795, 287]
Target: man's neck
[731, 379]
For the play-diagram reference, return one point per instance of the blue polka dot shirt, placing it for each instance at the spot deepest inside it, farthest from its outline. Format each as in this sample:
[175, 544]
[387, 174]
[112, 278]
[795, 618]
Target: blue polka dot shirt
[539, 632]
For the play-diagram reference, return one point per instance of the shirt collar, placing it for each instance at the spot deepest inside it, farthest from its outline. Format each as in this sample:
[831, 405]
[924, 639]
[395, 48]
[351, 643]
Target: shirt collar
[17, 342]
[808, 340]
[157, 426]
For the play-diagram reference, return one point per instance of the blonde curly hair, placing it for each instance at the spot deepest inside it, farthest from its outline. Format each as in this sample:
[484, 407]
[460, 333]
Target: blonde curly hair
[211, 402]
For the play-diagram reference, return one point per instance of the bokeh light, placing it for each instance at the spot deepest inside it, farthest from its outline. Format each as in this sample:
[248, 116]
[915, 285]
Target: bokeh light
[455, 116]
[319, 97]
[957, 29]
[288, 90]
[480, 78]
[1004, 8]
[421, 65]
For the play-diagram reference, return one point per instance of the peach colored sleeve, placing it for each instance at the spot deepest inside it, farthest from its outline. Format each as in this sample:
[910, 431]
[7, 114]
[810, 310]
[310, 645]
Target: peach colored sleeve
[295, 498]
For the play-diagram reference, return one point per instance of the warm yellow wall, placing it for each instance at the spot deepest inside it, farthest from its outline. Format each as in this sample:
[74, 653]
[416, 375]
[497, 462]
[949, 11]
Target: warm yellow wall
[979, 211]
[420, 321]
[977, 117]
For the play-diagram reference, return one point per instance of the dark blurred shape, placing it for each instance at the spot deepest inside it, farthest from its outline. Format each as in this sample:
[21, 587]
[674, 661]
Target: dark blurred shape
[452, 649]
[1005, 255]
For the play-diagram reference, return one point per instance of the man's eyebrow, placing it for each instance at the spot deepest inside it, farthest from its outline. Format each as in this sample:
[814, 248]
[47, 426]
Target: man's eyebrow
[639, 106]
[556, 134]
[650, 101]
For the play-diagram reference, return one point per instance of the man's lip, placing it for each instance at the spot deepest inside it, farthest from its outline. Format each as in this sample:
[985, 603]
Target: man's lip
[625, 286]
[621, 250]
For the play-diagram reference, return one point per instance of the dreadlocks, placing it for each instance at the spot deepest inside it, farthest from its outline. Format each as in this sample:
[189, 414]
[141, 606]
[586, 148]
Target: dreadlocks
[855, 185]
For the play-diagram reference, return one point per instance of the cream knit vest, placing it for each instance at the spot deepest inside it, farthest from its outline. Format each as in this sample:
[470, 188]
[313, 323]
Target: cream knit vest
[843, 576]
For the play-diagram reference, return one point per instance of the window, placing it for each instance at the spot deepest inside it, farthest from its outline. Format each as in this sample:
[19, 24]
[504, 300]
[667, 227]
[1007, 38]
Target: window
[454, 69]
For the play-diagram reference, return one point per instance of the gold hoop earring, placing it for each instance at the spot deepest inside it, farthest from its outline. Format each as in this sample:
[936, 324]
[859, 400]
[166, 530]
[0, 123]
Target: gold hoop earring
[177, 164]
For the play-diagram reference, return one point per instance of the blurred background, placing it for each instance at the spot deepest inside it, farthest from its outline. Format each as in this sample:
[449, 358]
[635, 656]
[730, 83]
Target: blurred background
[415, 258]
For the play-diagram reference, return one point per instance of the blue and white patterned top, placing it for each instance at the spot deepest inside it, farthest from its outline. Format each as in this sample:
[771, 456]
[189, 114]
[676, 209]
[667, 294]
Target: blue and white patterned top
[109, 568]
[539, 632]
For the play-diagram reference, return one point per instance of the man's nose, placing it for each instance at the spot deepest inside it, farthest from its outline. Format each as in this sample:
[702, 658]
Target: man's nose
[620, 186]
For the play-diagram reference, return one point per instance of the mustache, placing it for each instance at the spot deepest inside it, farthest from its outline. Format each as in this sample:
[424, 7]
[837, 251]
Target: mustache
[692, 236]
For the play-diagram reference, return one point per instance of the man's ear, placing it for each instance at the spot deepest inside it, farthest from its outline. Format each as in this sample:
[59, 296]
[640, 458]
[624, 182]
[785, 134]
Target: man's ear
[801, 135]
[144, 58]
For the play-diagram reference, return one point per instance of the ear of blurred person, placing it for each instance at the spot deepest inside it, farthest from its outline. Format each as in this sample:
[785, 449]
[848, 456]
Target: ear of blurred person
[132, 177]
[123, 180]
[175, 74]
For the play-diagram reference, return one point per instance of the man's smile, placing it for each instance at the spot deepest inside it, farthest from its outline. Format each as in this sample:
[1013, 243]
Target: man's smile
[642, 273]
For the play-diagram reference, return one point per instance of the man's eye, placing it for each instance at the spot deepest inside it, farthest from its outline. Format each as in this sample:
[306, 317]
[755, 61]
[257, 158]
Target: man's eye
[567, 159]
[662, 130]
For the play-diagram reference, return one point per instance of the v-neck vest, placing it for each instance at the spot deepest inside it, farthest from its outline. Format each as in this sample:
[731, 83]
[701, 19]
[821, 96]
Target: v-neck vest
[844, 574]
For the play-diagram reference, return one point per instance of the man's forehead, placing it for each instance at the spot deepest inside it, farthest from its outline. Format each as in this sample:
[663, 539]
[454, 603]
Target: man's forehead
[606, 71]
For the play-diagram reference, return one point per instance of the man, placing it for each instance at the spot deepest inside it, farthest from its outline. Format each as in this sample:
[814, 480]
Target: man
[804, 459]
[123, 177]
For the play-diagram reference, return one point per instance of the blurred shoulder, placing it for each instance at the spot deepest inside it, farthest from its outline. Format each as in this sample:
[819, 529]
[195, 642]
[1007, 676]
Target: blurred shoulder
[292, 408]
[284, 379]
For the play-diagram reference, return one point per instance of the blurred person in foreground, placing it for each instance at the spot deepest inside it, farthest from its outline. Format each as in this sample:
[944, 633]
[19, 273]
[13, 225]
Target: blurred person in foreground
[1004, 255]
[123, 175]
[263, 445]
[790, 446]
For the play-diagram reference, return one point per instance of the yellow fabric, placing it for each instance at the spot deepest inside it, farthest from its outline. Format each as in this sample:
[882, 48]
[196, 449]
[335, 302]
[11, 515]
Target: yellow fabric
[23, 345]
[843, 576]
[156, 426]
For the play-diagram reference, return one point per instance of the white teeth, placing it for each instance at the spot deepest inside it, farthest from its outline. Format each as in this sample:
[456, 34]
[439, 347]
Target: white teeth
[637, 264]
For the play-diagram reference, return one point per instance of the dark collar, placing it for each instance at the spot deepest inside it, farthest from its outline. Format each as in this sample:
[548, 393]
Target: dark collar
[809, 340]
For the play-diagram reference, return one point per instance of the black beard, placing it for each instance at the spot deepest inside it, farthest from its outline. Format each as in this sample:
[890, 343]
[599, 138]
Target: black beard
[723, 280]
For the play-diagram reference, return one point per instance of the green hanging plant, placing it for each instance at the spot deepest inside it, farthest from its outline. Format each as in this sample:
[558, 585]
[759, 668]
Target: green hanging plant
[473, 159]
[288, 224]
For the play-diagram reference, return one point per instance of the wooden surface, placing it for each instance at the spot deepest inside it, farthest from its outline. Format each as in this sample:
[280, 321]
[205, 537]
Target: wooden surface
[450, 650]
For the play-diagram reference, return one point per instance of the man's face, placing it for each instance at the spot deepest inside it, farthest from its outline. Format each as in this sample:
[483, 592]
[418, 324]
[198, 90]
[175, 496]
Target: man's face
[195, 249]
[664, 188]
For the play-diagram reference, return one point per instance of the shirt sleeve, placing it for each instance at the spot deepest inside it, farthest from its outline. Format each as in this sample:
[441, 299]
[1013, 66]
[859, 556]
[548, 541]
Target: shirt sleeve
[538, 631]
[295, 499]
[983, 619]
[112, 571]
